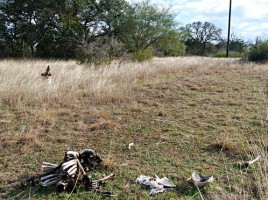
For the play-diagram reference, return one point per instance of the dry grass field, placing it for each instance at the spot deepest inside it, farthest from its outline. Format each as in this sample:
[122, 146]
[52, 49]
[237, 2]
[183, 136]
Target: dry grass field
[182, 114]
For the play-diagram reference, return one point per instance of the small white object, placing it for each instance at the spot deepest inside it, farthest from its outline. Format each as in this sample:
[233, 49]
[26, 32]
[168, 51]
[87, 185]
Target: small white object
[255, 160]
[156, 191]
[141, 179]
[68, 164]
[72, 170]
[118, 117]
[130, 145]
[165, 182]
[247, 163]
[199, 180]
[46, 167]
[156, 184]
[73, 153]
[50, 176]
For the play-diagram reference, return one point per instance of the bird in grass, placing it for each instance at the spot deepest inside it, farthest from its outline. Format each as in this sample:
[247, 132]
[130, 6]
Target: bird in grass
[47, 75]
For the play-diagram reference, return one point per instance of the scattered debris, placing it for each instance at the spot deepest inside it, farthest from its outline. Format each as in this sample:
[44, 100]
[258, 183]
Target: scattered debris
[156, 184]
[200, 180]
[76, 166]
[247, 163]
[74, 169]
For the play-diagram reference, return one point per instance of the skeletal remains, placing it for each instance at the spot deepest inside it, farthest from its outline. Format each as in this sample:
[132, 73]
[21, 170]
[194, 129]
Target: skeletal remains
[246, 164]
[157, 185]
[76, 166]
[200, 180]
[74, 169]
[129, 146]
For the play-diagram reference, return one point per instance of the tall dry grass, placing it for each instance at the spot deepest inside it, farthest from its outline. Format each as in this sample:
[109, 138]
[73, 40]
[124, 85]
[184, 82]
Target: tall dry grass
[21, 82]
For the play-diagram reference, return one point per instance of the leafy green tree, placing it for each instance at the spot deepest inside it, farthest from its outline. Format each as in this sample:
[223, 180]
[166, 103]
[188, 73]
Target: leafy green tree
[143, 24]
[10, 15]
[237, 44]
[70, 28]
[200, 35]
[99, 22]
[62, 28]
[25, 23]
[3, 48]
[170, 45]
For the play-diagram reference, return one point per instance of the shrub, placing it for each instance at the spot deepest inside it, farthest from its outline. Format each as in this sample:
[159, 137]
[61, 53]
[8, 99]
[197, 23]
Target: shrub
[258, 52]
[197, 48]
[169, 45]
[143, 55]
[100, 51]
[232, 54]
[170, 49]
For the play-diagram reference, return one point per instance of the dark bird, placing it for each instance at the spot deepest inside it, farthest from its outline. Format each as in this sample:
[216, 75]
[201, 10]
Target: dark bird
[47, 72]
[47, 75]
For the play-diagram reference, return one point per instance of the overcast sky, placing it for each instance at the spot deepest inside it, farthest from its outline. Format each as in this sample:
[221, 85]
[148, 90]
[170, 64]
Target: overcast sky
[249, 17]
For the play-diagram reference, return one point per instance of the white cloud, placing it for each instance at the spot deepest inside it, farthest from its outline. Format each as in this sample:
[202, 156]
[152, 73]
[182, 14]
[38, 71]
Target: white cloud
[249, 18]
[256, 9]
[207, 6]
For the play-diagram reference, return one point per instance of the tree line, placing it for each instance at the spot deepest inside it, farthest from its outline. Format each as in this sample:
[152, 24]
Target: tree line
[101, 30]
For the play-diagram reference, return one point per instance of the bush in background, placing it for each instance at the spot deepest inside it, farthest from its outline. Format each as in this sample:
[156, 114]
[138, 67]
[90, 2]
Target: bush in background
[169, 45]
[143, 55]
[102, 50]
[232, 54]
[259, 51]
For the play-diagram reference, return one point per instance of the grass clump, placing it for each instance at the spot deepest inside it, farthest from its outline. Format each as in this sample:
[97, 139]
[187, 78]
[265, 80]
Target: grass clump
[143, 55]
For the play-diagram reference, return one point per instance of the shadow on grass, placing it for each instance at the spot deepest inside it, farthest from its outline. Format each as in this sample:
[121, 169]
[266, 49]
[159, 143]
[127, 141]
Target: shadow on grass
[186, 190]
[20, 192]
[228, 150]
[37, 191]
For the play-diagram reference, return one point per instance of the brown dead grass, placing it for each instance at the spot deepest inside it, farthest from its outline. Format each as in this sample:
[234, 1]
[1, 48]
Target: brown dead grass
[22, 142]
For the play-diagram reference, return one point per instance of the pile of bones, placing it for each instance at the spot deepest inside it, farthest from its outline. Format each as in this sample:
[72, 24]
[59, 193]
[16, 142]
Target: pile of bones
[74, 169]
[76, 166]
